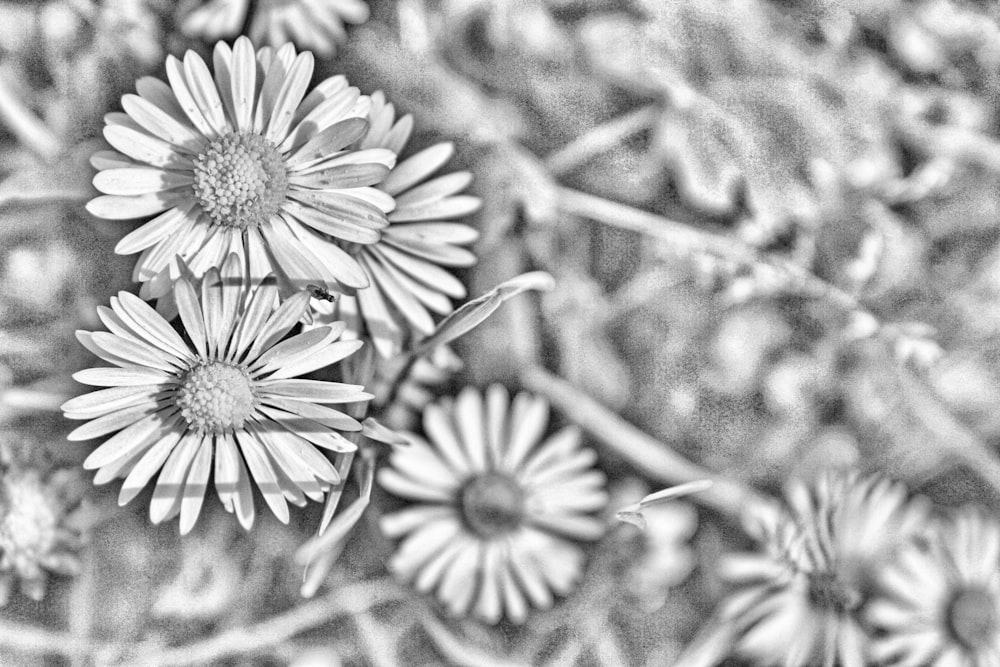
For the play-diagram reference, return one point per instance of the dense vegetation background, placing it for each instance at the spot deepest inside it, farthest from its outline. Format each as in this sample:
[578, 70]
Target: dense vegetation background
[773, 227]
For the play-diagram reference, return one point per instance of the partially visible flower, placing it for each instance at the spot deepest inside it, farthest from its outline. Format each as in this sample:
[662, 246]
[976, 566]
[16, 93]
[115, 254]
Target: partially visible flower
[407, 267]
[939, 602]
[228, 399]
[797, 602]
[317, 25]
[34, 535]
[243, 161]
[494, 515]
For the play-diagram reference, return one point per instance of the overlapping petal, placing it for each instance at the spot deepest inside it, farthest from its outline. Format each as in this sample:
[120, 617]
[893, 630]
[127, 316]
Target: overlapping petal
[229, 399]
[246, 160]
[409, 268]
[489, 453]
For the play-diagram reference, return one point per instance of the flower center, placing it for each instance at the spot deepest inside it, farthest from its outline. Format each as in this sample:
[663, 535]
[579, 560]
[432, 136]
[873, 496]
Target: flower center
[492, 504]
[216, 397]
[828, 591]
[240, 180]
[973, 617]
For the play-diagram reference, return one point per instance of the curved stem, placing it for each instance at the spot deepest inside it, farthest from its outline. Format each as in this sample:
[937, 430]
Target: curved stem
[646, 454]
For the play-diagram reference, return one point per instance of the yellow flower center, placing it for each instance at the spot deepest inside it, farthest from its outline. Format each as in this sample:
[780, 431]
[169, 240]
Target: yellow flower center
[216, 397]
[492, 504]
[240, 180]
[973, 617]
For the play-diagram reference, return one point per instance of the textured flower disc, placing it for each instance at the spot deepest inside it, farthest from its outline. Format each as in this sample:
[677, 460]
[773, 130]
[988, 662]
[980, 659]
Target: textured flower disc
[797, 602]
[494, 511]
[939, 602]
[230, 399]
[317, 25]
[244, 162]
[407, 268]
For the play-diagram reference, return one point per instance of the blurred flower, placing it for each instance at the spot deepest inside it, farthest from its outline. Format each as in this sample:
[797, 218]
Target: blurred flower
[317, 25]
[208, 580]
[940, 599]
[33, 534]
[797, 602]
[488, 525]
[230, 397]
[405, 267]
[269, 179]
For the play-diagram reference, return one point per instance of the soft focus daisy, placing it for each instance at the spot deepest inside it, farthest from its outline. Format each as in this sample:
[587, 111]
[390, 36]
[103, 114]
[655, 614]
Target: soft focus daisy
[494, 514]
[407, 268]
[34, 536]
[797, 602]
[229, 399]
[940, 600]
[243, 161]
[317, 25]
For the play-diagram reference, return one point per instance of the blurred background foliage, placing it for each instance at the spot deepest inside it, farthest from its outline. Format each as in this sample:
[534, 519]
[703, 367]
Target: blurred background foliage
[838, 302]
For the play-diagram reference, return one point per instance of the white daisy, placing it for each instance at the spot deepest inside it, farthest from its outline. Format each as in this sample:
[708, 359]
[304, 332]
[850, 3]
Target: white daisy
[317, 25]
[243, 162]
[939, 603]
[407, 268]
[797, 603]
[494, 515]
[230, 396]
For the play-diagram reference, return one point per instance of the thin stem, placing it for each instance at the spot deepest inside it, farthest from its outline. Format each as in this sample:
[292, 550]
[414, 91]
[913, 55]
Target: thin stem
[39, 641]
[684, 238]
[648, 455]
[352, 600]
[25, 125]
[599, 139]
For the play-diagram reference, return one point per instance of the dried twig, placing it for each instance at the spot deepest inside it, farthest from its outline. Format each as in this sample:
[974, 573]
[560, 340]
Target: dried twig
[25, 125]
[599, 139]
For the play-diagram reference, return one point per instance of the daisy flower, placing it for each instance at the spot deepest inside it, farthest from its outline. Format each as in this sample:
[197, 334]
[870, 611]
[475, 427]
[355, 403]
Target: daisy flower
[407, 268]
[34, 537]
[229, 398]
[317, 25]
[939, 602]
[494, 515]
[243, 161]
[797, 602]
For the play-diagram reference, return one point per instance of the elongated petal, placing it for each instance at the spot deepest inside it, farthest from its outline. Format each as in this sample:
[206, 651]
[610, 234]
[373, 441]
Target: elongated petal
[190, 312]
[158, 122]
[121, 377]
[416, 168]
[154, 231]
[244, 83]
[148, 465]
[314, 390]
[144, 147]
[195, 486]
[138, 436]
[263, 474]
